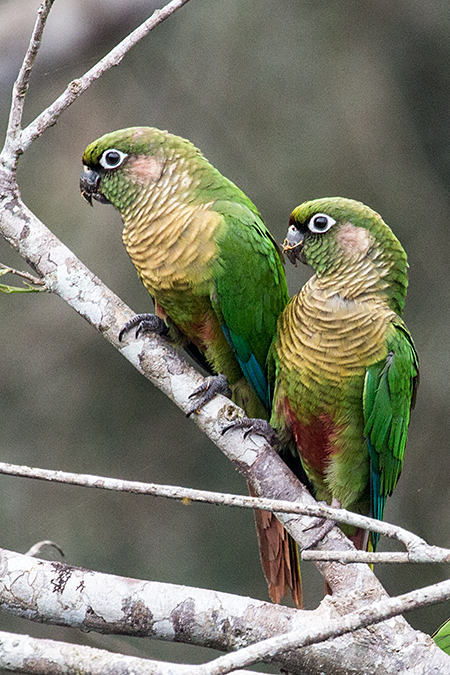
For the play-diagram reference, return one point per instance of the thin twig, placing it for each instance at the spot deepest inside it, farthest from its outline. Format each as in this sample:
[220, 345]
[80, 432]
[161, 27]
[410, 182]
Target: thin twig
[383, 609]
[32, 285]
[424, 554]
[21, 84]
[418, 549]
[5, 269]
[37, 548]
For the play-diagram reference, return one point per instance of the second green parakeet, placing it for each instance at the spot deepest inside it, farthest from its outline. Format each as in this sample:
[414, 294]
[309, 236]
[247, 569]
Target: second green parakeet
[344, 364]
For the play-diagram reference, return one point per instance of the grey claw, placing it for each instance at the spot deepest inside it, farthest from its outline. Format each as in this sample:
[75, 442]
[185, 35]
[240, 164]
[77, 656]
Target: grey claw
[323, 525]
[256, 426]
[146, 323]
[216, 384]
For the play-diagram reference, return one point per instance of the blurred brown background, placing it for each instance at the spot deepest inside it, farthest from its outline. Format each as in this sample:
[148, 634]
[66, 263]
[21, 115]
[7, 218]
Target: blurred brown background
[292, 101]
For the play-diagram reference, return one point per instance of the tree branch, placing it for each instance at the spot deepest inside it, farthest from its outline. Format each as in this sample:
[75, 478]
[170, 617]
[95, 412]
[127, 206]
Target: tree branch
[379, 611]
[418, 551]
[5, 269]
[21, 653]
[423, 553]
[52, 592]
[17, 142]
[21, 85]
[32, 284]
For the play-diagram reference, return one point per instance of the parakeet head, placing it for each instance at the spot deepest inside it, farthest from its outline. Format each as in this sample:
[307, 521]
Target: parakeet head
[339, 237]
[324, 232]
[120, 164]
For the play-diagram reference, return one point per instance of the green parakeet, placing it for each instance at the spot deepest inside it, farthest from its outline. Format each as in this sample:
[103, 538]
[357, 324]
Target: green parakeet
[215, 273]
[343, 362]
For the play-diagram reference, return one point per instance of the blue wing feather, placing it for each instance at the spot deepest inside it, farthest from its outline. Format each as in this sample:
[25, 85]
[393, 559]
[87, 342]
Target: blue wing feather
[249, 365]
[250, 291]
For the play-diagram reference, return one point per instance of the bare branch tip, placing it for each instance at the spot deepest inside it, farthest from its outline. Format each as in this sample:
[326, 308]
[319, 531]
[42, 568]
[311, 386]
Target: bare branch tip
[36, 548]
[50, 115]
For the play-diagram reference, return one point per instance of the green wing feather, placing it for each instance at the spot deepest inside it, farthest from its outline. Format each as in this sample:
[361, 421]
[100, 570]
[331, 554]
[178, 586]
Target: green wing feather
[442, 637]
[249, 319]
[389, 395]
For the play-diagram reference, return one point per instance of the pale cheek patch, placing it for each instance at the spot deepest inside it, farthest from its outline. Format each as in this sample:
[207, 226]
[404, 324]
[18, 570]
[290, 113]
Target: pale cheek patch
[354, 240]
[146, 169]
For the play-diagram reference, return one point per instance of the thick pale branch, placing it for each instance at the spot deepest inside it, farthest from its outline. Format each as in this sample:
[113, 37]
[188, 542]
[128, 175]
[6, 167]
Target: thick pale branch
[418, 549]
[52, 592]
[56, 593]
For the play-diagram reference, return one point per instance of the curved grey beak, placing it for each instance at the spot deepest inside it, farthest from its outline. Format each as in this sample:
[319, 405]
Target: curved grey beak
[293, 245]
[89, 186]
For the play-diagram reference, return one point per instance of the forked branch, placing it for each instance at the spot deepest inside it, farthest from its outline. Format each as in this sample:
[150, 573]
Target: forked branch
[18, 140]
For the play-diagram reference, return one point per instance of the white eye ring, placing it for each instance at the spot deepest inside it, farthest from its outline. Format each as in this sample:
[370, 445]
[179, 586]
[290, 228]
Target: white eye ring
[112, 158]
[320, 223]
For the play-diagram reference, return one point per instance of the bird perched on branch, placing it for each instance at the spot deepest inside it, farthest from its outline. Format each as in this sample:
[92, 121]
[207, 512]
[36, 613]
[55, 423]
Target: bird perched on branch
[214, 271]
[343, 362]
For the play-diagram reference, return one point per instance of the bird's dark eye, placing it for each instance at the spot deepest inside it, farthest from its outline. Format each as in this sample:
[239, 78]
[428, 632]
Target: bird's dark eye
[320, 223]
[111, 159]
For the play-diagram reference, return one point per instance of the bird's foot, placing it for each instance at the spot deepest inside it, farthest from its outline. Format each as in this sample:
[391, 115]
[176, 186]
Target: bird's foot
[255, 426]
[322, 525]
[145, 323]
[216, 384]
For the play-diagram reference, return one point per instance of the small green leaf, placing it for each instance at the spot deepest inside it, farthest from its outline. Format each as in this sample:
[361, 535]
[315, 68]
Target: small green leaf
[29, 288]
[4, 288]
